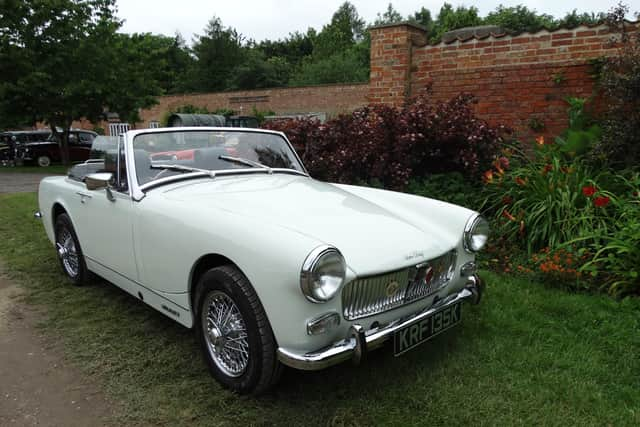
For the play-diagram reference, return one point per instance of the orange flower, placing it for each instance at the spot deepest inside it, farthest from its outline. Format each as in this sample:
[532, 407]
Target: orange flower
[488, 177]
[546, 169]
[521, 182]
[540, 140]
[506, 214]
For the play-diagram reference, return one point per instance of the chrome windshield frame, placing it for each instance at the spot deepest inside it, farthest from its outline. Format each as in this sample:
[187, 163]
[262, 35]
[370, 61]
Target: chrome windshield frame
[138, 191]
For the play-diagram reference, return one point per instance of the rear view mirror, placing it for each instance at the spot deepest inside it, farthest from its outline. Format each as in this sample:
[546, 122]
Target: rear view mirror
[97, 181]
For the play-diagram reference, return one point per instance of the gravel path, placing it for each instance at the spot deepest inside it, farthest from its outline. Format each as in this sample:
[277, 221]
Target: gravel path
[11, 182]
[37, 386]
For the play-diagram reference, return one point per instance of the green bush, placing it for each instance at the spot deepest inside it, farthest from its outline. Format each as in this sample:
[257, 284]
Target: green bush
[616, 252]
[619, 81]
[448, 187]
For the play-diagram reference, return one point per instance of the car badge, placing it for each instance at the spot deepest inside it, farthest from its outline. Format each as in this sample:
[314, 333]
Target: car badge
[392, 289]
[428, 275]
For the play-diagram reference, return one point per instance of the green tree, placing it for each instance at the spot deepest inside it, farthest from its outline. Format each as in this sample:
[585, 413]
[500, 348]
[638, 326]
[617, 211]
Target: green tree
[345, 30]
[519, 19]
[423, 17]
[390, 16]
[451, 19]
[218, 51]
[342, 67]
[256, 71]
[573, 19]
[62, 60]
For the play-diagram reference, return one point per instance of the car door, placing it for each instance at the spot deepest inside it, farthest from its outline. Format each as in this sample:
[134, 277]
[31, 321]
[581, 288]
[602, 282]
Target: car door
[80, 147]
[107, 221]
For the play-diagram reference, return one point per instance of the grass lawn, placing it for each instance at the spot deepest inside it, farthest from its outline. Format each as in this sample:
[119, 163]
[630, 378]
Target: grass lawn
[52, 170]
[528, 355]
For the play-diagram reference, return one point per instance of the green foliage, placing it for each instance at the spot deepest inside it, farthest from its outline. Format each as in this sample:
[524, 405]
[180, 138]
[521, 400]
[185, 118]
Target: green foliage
[423, 18]
[62, 60]
[539, 201]
[451, 19]
[615, 257]
[449, 187]
[345, 30]
[519, 19]
[341, 67]
[390, 16]
[573, 19]
[582, 134]
[535, 124]
[256, 71]
[619, 81]
[218, 52]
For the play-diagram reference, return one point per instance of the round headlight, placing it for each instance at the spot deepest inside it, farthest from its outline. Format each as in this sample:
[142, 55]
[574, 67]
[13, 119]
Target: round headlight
[476, 233]
[322, 274]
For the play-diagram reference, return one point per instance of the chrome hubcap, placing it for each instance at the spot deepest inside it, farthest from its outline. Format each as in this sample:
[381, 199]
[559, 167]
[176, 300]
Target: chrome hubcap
[67, 252]
[225, 333]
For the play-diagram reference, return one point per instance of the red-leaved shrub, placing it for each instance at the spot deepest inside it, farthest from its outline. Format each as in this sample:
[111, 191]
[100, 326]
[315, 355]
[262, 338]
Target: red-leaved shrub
[390, 145]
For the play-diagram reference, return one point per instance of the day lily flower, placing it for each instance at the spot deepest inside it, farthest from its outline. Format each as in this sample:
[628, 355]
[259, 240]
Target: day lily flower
[504, 162]
[589, 190]
[601, 201]
[507, 215]
[521, 182]
[540, 140]
[488, 177]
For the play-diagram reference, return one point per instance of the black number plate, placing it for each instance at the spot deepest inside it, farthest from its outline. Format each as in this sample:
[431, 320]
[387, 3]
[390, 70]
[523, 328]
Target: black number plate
[422, 330]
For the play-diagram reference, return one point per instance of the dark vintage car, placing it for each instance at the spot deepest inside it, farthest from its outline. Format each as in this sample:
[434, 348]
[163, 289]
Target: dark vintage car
[47, 151]
[11, 141]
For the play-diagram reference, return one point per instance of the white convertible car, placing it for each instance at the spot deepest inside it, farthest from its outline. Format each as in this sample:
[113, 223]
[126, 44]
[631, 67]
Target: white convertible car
[224, 231]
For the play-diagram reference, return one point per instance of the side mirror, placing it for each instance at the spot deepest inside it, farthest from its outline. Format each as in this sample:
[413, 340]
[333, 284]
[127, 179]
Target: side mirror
[98, 181]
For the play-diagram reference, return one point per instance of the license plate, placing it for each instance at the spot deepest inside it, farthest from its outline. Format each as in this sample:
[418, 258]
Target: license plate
[422, 330]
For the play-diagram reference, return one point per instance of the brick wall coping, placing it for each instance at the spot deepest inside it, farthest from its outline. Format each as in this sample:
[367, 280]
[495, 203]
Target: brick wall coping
[230, 92]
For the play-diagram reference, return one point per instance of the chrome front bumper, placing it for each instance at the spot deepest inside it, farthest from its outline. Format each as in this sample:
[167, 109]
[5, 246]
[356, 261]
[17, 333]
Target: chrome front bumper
[360, 343]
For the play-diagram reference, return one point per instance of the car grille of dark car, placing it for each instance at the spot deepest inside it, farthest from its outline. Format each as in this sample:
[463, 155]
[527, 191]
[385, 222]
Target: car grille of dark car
[371, 295]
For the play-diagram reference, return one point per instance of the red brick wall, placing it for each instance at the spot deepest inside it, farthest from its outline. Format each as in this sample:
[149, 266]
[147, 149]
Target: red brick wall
[517, 80]
[330, 99]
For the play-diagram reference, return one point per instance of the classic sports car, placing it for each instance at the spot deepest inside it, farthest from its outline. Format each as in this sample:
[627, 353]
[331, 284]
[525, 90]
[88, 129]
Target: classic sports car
[269, 266]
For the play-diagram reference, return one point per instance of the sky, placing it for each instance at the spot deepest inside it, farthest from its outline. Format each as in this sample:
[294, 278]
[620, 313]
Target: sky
[275, 19]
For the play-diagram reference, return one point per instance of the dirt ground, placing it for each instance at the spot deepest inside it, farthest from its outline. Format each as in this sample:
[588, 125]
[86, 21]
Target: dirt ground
[15, 182]
[37, 386]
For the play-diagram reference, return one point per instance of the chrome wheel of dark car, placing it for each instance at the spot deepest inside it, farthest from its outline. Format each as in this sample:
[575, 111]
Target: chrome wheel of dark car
[67, 252]
[44, 161]
[225, 333]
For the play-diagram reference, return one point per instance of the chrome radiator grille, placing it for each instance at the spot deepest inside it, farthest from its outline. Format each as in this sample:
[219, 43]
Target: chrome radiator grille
[375, 294]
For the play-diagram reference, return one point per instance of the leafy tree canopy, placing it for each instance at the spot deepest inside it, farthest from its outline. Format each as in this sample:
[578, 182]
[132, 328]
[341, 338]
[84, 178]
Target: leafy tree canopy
[62, 60]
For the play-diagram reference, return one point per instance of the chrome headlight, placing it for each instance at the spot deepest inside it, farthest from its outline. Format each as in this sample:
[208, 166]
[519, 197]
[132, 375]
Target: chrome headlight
[323, 273]
[476, 233]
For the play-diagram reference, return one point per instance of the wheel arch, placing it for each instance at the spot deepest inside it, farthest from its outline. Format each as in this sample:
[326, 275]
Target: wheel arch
[201, 266]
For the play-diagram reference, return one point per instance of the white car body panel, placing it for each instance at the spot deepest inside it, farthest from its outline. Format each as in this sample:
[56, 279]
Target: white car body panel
[266, 224]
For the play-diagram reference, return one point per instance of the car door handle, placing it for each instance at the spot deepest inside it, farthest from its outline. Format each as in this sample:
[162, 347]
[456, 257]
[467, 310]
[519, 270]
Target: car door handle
[83, 196]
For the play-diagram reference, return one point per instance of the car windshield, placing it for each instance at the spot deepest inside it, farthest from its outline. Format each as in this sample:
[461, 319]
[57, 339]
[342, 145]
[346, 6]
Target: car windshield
[162, 154]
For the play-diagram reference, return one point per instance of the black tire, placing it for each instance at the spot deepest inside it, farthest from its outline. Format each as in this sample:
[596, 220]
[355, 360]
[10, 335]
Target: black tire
[262, 369]
[63, 232]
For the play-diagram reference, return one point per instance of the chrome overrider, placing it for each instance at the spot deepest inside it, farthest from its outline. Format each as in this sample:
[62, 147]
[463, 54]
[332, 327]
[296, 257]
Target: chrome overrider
[359, 343]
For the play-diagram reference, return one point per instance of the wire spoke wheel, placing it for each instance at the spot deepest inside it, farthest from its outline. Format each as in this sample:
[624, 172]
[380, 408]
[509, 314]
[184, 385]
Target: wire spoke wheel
[67, 252]
[225, 333]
